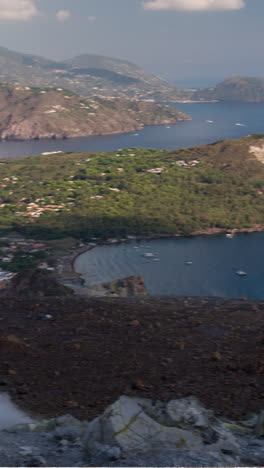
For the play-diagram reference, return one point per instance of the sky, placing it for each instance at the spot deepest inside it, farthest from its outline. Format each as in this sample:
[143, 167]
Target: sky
[176, 39]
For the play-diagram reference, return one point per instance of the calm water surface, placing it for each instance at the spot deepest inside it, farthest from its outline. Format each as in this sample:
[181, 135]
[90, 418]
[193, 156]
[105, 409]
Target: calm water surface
[212, 273]
[190, 133]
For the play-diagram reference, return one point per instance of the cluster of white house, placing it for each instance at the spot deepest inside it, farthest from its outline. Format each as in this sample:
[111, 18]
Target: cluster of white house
[188, 164]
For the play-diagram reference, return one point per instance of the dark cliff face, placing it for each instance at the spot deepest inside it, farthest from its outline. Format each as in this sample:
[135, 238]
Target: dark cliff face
[33, 113]
[36, 284]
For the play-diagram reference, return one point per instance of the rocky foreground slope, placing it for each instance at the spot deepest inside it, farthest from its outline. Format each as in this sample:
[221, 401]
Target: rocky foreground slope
[33, 113]
[138, 432]
[67, 355]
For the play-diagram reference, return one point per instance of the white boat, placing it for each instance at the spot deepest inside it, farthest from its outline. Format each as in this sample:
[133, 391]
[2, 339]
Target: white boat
[240, 125]
[135, 134]
[230, 235]
[148, 255]
[241, 273]
[188, 263]
[209, 121]
[47, 153]
[167, 127]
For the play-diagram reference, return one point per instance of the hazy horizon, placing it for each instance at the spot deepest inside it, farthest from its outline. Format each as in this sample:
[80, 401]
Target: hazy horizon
[175, 39]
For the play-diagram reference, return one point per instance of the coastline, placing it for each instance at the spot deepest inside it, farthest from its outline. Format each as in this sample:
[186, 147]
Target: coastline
[65, 269]
[134, 128]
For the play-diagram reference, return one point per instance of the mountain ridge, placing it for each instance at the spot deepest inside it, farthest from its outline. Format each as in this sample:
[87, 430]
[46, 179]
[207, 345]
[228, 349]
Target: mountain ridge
[88, 74]
[98, 75]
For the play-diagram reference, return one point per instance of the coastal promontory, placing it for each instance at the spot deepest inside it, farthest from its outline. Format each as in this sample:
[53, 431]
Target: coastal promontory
[36, 113]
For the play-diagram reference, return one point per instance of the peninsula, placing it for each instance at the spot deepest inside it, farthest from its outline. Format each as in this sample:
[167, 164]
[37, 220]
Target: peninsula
[34, 113]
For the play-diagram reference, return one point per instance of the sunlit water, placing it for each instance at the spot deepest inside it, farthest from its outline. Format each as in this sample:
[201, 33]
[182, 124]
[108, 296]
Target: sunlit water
[188, 133]
[215, 261]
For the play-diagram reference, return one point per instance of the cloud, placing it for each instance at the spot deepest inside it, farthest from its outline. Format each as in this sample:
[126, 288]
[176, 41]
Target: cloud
[91, 19]
[63, 15]
[17, 10]
[193, 5]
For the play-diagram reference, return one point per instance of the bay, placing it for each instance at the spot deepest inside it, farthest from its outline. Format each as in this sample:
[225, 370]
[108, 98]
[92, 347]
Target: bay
[215, 261]
[223, 117]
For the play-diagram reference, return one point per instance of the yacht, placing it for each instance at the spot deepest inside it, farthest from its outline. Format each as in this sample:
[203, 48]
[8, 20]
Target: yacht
[241, 273]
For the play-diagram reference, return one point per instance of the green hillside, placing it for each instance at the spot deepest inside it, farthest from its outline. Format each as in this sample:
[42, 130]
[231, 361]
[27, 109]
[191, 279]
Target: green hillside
[122, 67]
[135, 191]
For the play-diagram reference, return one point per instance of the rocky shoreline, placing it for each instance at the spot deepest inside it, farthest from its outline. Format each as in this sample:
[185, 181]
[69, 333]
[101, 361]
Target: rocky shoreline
[29, 113]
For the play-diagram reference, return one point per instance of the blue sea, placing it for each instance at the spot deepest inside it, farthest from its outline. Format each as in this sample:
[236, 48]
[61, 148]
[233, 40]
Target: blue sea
[196, 266]
[223, 117]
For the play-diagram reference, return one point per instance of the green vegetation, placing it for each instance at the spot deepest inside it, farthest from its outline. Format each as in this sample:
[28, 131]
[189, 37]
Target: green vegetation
[105, 195]
[20, 263]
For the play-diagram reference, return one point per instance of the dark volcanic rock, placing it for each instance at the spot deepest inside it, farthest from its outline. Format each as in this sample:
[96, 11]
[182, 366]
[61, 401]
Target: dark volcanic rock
[93, 350]
[36, 283]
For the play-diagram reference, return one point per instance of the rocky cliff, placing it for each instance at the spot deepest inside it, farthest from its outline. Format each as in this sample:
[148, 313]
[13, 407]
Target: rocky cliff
[33, 113]
[35, 284]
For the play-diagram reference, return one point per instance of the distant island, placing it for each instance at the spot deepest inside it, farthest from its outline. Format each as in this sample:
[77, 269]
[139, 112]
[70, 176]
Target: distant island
[239, 89]
[35, 113]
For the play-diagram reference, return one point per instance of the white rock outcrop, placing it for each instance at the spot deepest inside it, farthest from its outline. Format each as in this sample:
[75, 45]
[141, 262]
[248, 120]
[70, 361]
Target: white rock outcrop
[136, 426]
[258, 151]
